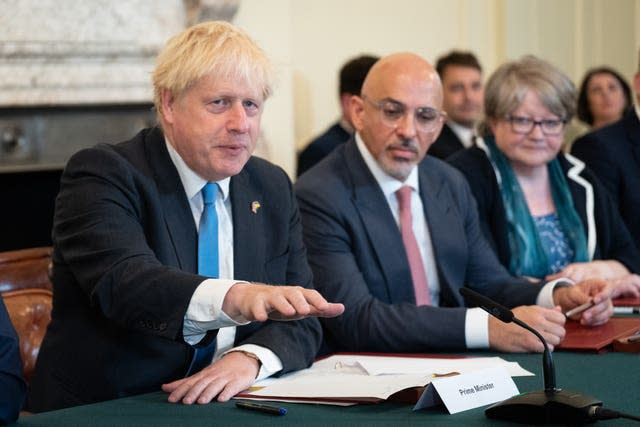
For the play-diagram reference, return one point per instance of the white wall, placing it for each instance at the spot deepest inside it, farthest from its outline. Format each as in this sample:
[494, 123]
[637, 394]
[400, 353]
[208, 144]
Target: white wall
[268, 22]
[310, 39]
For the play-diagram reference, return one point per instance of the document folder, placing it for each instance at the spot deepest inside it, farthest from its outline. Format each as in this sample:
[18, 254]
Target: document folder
[597, 338]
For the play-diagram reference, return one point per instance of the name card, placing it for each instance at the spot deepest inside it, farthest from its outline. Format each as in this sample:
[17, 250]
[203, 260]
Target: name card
[467, 391]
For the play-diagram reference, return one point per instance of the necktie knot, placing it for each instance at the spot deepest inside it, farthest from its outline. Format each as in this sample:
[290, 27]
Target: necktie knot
[209, 192]
[404, 197]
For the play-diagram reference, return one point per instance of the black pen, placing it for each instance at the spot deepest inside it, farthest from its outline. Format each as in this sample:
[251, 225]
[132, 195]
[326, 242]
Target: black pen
[274, 410]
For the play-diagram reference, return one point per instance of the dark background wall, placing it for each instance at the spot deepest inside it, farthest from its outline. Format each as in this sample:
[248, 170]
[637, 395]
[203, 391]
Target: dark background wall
[26, 215]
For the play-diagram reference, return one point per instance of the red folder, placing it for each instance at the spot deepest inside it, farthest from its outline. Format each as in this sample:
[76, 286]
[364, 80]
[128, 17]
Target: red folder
[596, 338]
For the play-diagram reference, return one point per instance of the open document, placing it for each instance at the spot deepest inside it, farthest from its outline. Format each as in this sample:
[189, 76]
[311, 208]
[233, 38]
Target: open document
[356, 378]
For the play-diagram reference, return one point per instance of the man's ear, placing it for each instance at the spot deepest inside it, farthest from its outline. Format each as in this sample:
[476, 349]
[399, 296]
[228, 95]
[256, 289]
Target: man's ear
[356, 109]
[436, 132]
[345, 102]
[167, 101]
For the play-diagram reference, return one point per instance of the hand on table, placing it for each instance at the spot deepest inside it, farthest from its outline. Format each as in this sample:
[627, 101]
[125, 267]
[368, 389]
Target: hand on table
[223, 379]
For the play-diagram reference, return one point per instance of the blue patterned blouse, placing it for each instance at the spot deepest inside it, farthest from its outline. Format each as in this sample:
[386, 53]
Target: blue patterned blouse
[554, 242]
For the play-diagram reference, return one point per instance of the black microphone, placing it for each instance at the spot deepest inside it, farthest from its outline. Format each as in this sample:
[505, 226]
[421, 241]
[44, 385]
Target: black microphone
[551, 405]
[504, 314]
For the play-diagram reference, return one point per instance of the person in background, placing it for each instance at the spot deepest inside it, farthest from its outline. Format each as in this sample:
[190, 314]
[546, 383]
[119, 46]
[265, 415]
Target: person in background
[13, 388]
[394, 234]
[462, 88]
[604, 98]
[168, 246]
[613, 154]
[352, 75]
[545, 214]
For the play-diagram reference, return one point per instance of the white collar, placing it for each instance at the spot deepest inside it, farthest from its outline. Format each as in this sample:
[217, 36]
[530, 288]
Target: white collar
[191, 181]
[464, 134]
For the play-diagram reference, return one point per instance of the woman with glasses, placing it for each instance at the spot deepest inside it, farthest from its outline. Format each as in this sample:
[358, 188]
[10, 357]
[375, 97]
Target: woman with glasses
[544, 213]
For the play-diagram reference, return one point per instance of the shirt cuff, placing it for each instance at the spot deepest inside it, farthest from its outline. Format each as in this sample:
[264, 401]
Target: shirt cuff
[204, 312]
[476, 328]
[270, 363]
[545, 297]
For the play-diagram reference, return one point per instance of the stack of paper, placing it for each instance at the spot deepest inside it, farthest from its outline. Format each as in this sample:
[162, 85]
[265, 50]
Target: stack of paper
[350, 379]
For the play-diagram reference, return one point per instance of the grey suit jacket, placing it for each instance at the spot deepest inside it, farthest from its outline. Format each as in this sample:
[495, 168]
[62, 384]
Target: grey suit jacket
[124, 271]
[356, 253]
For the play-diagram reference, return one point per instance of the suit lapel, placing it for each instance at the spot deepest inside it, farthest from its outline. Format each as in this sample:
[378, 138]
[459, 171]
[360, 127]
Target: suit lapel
[248, 228]
[437, 205]
[173, 199]
[453, 137]
[380, 226]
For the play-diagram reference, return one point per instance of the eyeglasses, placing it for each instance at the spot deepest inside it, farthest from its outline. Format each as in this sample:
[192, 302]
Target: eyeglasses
[426, 119]
[524, 125]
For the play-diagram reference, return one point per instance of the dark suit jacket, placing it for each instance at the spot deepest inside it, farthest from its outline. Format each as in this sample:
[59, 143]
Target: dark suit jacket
[607, 236]
[321, 146]
[13, 389]
[447, 144]
[356, 253]
[124, 264]
[613, 154]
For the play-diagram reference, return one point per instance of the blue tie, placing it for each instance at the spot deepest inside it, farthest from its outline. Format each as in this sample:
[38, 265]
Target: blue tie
[208, 234]
[207, 263]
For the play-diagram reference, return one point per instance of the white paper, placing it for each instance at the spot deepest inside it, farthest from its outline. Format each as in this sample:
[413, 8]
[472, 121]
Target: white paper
[339, 385]
[379, 365]
[378, 377]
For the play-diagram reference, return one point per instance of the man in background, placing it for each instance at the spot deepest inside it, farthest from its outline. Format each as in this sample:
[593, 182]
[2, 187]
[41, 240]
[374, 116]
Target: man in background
[613, 153]
[463, 92]
[352, 75]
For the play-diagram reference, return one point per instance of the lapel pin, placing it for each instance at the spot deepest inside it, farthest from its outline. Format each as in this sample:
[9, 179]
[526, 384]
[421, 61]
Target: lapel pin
[255, 205]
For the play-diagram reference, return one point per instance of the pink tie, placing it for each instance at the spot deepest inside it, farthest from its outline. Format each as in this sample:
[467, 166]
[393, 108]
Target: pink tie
[418, 276]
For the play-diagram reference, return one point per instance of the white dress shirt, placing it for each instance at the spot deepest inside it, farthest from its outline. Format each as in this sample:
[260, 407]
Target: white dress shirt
[465, 135]
[204, 312]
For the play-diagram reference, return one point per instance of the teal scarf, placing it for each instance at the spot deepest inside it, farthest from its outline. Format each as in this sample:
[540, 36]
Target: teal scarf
[528, 257]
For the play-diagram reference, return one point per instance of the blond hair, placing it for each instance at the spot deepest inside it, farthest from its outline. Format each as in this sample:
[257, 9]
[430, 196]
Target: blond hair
[214, 48]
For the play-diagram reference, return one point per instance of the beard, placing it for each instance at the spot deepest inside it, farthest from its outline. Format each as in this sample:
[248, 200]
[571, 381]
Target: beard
[396, 166]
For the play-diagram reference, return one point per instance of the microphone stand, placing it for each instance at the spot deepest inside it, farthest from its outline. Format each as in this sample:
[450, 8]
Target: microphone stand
[551, 405]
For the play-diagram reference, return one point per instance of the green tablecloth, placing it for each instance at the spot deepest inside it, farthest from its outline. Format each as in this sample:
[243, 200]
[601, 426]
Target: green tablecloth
[613, 378]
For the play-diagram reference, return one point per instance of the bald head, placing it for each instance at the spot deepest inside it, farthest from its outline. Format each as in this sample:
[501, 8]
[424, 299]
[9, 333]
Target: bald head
[400, 70]
[399, 114]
